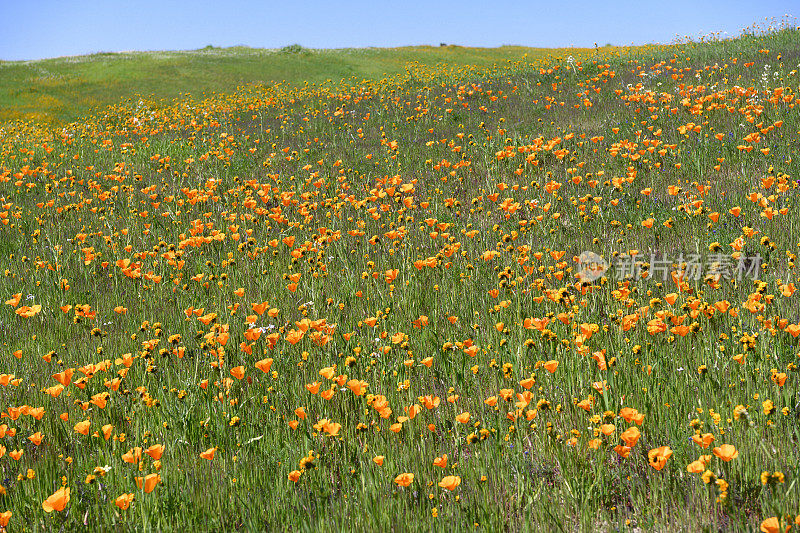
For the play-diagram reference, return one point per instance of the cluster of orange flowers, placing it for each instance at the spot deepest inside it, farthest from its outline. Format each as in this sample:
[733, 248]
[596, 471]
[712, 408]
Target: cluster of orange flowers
[418, 285]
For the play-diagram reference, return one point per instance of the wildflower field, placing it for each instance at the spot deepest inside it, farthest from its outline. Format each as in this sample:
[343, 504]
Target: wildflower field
[366, 304]
[67, 89]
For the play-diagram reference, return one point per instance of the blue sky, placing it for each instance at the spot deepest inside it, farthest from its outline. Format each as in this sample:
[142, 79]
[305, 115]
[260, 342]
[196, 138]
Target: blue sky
[34, 29]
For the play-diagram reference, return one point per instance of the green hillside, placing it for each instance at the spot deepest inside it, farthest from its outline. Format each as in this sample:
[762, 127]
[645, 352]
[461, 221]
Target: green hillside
[62, 90]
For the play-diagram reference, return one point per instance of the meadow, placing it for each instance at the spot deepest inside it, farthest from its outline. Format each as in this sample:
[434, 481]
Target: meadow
[60, 91]
[363, 302]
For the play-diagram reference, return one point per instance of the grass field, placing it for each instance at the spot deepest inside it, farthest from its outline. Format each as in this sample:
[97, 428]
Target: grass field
[63, 90]
[365, 305]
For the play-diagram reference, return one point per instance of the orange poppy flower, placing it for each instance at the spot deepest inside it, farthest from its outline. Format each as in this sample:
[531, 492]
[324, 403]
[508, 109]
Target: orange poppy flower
[36, 438]
[332, 428]
[14, 300]
[83, 427]
[704, 440]
[55, 390]
[259, 308]
[28, 312]
[264, 365]
[404, 480]
[358, 387]
[64, 377]
[631, 415]
[327, 394]
[133, 455]
[607, 429]
[123, 501]
[630, 436]
[699, 466]
[623, 451]
[56, 501]
[773, 525]
[726, 452]
[100, 399]
[450, 482]
[155, 451]
[208, 454]
[658, 457]
[149, 482]
[294, 336]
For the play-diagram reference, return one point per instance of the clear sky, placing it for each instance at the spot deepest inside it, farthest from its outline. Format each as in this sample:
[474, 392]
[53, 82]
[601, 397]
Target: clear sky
[34, 29]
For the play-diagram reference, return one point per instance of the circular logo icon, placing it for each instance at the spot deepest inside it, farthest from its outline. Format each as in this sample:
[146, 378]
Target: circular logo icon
[591, 266]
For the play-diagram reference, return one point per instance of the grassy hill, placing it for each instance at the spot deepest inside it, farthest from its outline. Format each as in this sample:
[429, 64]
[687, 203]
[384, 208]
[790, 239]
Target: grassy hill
[62, 90]
[555, 295]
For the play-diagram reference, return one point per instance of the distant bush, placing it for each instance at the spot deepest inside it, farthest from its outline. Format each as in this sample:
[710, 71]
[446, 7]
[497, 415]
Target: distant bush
[294, 49]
